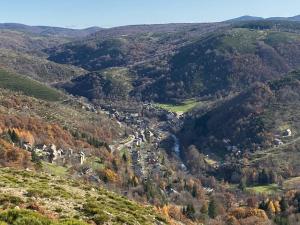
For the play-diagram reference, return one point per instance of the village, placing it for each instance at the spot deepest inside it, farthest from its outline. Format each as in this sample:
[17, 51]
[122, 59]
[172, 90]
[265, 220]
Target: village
[52, 154]
[148, 132]
[145, 129]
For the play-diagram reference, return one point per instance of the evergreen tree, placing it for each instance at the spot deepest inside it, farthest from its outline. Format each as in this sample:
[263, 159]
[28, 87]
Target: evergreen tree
[9, 132]
[76, 135]
[14, 137]
[124, 157]
[194, 191]
[297, 199]
[263, 177]
[279, 220]
[242, 184]
[263, 205]
[189, 211]
[212, 208]
[283, 205]
[273, 177]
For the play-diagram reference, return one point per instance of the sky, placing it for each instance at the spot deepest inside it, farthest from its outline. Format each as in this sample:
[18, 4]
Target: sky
[111, 13]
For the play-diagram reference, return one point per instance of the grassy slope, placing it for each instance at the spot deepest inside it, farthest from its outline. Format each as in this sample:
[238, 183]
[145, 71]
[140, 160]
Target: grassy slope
[71, 199]
[27, 86]
[267, 189]
[20, 217]
[179, 108]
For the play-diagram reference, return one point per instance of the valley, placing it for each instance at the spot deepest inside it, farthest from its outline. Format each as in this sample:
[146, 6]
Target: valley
[151, 124]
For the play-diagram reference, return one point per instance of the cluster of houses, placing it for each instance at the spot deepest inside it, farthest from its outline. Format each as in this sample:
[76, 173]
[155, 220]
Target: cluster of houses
[146, 157]
[142, 136]
[277, 139]
[52, 154]
[128, 118]
[143, 143]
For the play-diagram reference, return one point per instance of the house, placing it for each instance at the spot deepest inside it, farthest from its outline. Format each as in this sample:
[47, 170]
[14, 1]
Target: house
[134, 115]
[52, 153]
[27, 146]
[82, 157]
[287, 133]
[142, 135]
[148, 135]
[138, 142]
[278, 142]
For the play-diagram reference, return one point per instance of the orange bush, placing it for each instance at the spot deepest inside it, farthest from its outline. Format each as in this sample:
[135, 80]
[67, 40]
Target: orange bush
[242, 213]
[13, 156]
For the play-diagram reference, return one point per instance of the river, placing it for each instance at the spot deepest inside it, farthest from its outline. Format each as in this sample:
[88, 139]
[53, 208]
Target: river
[177, 149]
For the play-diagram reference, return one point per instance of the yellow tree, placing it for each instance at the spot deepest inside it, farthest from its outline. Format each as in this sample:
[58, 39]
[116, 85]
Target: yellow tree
[271, 210]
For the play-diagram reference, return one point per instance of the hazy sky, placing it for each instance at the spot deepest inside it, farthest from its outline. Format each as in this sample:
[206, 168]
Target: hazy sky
[108, 13]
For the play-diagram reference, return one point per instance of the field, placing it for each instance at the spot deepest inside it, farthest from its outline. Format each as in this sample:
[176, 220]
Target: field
[179, 108]
[28, 87]
[266, 189]
[54, 170]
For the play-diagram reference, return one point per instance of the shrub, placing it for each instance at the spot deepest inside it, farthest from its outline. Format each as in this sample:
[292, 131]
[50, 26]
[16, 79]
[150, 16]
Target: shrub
[23, 217]
[101, 218]
[26, 217]
[7, 199]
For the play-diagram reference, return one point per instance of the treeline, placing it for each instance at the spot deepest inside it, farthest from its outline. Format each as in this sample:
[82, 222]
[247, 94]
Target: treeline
[97, 143]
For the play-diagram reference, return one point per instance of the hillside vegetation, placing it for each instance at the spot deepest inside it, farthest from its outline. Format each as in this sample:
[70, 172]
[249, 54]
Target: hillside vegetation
[46, 199]
[28, 87]
[124, 46]
[113, 84]
[54, 122]
[252, 126]
[190, 61]
[38, 68]
[229, 61]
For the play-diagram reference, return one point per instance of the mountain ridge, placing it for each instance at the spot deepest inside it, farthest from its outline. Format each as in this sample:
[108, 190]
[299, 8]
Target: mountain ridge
[49, 30]
[253, 18]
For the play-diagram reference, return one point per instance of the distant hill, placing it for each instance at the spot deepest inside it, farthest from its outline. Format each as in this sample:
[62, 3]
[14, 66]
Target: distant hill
[245, 18]
[128, 45]
[192, 60]
[27, 42]
[254, 18]
[50, 31]
[293, 18]
[21, 52]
